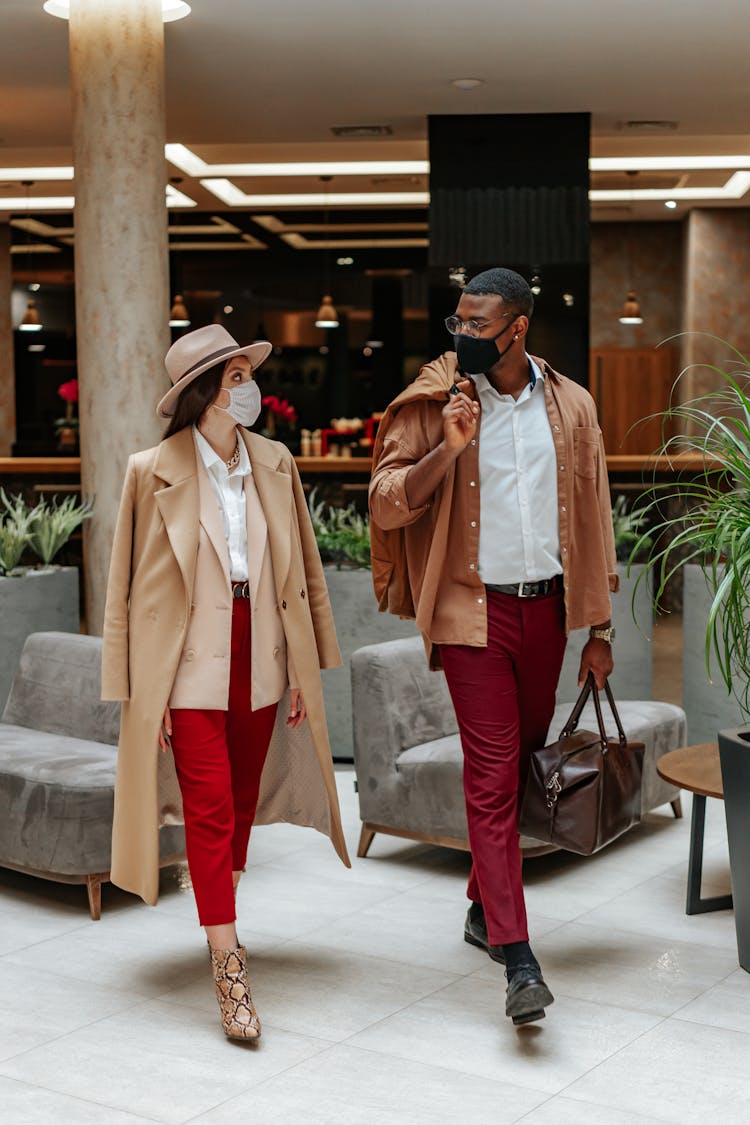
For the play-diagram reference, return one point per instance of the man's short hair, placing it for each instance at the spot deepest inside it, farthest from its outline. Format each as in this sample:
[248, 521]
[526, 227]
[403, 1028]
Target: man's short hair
[507, 284]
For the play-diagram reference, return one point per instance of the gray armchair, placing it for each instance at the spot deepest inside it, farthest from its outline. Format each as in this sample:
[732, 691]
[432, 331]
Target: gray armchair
[408, 758]
[58, 752]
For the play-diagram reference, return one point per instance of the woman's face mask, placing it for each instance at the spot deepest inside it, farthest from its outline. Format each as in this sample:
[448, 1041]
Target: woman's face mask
[244, 402]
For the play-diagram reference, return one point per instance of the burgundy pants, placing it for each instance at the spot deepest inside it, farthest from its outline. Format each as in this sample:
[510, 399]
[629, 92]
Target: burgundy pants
[219, 756]
[504, 697]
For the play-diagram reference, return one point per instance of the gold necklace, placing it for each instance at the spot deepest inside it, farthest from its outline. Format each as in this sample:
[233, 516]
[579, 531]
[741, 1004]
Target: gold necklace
[234, 460]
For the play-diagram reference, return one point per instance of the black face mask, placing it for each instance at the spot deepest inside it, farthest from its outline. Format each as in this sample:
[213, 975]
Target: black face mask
[479, 353]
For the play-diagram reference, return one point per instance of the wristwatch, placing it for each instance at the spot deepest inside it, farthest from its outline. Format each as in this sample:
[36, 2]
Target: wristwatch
[607, 634]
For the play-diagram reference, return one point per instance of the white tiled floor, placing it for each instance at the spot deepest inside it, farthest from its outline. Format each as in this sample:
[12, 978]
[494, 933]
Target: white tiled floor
[375, 1010]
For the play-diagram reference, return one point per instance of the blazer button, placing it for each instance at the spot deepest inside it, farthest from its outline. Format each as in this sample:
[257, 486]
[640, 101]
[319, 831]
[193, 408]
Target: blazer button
[302, 593]
[283, 605]
[276, 651]
[190, 654]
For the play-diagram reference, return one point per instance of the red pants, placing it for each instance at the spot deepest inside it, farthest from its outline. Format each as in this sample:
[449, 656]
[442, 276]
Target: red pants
[504, 697]
[219, 756]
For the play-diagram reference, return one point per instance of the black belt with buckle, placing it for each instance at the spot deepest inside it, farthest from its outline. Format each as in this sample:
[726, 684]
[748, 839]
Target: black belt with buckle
[240, 589]
[528, 589]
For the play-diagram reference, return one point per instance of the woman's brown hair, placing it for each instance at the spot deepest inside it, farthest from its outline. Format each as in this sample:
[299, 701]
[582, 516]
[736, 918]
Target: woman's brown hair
[196, 397]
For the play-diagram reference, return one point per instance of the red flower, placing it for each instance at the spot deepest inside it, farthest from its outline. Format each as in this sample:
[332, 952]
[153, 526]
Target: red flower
[69, 391]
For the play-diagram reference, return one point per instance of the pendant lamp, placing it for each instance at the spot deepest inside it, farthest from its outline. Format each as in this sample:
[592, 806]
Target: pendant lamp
[179, 317]
[327, 316]
[631, 309]
[32, 322]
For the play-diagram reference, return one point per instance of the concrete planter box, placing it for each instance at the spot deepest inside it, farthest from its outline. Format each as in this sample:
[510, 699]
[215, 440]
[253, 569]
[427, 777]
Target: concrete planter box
[633, 655]
[34, 602]
[358, 623]
[709, 706]
[734, 751]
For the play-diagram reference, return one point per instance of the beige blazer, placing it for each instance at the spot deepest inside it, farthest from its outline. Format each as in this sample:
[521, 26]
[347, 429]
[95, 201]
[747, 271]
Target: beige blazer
[166, 566]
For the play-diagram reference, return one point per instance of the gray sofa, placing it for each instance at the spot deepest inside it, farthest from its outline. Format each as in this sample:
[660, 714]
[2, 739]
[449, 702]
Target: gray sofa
[407, 752]
[58, 751]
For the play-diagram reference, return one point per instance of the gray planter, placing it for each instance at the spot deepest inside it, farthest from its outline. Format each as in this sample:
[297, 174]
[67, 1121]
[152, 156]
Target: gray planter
[633, 674]
[709, 706]
[35, 602]
[358, 622]
[734, 751]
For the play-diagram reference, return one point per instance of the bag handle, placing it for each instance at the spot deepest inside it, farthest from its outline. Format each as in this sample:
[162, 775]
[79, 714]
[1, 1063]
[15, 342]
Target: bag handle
[588, 688]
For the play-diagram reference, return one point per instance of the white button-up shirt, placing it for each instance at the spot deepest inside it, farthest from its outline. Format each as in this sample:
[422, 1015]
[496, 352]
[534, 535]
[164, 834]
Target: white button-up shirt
[519, 537]
[229, 491]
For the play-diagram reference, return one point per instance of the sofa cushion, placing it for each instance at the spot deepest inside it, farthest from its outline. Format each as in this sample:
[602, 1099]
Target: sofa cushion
[56, 797]
[57, 688]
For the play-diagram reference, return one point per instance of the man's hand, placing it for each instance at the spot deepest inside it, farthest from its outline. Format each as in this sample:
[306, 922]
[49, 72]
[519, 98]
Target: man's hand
[460, 417]
[597, 658]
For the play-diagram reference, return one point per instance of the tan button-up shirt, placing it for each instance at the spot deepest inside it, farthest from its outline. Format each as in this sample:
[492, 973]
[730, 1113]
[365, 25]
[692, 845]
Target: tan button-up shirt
[424, 560]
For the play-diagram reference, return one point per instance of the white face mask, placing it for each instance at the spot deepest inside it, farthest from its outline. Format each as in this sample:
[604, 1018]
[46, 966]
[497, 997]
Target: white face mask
[244, 403]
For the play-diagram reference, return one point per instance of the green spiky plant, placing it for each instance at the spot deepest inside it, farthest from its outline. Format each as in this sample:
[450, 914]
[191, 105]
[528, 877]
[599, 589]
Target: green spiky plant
[16, 524]
[342, 534]
[629, 528]
[54, 524]
[704, 517]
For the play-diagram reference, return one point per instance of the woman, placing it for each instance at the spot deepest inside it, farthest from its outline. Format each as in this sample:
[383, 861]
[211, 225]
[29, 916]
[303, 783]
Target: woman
[217, 610]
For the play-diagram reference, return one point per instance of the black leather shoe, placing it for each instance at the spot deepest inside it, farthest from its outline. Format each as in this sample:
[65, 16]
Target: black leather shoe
[527, 995]
[475, 932]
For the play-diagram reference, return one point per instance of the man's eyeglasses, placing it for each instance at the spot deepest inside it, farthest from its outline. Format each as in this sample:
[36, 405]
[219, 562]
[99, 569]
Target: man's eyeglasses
[455, 325]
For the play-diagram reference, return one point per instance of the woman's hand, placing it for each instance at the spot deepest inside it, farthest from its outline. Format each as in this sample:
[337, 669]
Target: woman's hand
[166, 731]
[297, 709]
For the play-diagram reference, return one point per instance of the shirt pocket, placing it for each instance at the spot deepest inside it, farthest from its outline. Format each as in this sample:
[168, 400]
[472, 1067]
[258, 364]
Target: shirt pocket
[586, 450]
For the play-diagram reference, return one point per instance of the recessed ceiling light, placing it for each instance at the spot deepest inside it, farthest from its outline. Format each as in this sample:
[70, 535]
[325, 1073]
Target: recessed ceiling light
[345, 261]
[467, 83]
[670, 203]
[170, 9]
[36, 347]
[228, 309]
[35, 287]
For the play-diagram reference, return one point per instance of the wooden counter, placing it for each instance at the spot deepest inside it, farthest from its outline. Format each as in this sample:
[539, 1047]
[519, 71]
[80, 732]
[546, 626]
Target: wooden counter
[359, 466]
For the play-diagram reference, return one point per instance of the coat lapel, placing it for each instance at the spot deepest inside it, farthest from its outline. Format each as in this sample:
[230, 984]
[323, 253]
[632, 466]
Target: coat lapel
[257, 534]
[178, 503]
[275, 494]
[210, 516]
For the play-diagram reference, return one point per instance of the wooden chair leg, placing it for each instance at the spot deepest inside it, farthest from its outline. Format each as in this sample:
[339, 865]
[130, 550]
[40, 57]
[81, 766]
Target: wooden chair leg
[94, 889]
[677, 807]
[366, 837]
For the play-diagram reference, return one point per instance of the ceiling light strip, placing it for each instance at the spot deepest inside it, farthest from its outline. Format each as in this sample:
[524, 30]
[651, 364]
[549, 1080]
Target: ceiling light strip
[230, 194]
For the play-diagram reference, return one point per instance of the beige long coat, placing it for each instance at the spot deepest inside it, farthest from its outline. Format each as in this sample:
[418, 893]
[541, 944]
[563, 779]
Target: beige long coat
[167, 629]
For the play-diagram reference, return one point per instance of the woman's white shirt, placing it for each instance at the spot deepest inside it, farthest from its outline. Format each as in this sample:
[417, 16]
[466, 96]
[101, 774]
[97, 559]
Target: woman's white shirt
[229, 490]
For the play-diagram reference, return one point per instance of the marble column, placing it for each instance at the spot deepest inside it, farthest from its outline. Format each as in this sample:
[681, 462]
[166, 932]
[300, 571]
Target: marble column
[717, 300]
[7, 364]
[121, 253]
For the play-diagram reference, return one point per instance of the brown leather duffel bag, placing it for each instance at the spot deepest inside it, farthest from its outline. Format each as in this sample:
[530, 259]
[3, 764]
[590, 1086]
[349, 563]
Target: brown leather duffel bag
[585, 789]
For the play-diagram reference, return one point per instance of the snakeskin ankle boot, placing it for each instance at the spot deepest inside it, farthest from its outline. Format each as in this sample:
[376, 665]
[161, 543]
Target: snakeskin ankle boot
[239, 1018]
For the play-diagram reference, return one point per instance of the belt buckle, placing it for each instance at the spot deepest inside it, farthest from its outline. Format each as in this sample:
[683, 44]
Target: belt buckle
[520, 593]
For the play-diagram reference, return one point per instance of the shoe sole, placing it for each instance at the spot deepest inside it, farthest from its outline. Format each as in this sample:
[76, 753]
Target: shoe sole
[468, 937]
[527, 1003]
[519, 1021]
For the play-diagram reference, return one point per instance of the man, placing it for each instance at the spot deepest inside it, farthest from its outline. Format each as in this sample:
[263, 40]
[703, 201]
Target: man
[491, 525]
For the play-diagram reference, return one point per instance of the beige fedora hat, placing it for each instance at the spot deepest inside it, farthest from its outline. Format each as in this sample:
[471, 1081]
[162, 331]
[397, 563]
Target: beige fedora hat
[196, 351]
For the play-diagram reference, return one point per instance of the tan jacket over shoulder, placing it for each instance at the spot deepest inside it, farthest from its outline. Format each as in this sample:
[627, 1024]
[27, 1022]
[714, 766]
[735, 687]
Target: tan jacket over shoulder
[424, 561]
[167, 630]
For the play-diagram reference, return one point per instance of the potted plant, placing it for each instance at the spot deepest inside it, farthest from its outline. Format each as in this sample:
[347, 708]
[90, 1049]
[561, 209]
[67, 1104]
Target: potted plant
[701, 524]
[35, 598]
[66, 428]
[280, 421]
[343, 538]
